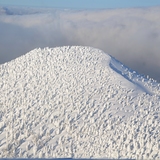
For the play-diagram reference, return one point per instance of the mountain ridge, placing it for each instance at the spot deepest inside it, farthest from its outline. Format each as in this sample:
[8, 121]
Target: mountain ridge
[76, 102]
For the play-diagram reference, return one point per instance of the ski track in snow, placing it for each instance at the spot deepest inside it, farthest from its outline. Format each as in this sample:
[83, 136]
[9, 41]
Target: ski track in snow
[77, 102]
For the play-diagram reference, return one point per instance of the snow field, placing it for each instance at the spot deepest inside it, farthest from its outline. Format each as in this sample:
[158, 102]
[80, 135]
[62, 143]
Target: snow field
[77, 102]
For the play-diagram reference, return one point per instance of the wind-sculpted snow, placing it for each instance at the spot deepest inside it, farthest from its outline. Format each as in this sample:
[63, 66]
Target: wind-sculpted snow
[77, 102]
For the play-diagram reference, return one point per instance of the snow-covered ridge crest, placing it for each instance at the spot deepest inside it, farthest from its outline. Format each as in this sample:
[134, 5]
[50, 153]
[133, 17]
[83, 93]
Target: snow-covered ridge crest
[80, 57]
[76, 102]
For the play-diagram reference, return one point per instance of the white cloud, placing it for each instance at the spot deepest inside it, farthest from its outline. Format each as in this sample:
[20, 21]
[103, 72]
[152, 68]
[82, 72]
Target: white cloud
[130, 35]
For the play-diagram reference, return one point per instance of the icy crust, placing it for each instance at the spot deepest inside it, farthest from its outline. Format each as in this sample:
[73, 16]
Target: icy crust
[77, 102]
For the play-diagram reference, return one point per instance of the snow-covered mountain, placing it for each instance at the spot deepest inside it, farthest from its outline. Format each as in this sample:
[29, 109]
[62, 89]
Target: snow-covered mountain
[77, 102]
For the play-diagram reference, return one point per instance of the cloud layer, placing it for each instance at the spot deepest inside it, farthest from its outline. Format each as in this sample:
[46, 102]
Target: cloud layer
[130, 35]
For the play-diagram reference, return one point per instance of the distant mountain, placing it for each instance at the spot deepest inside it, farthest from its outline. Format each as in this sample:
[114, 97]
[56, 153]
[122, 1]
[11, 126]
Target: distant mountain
[14, 10]
[77, 102]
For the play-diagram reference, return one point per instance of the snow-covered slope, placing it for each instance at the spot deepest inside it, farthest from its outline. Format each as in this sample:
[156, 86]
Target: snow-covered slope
[77, 102]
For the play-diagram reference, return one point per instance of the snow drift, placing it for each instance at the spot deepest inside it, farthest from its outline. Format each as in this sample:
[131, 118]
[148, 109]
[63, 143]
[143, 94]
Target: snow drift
[77, 102]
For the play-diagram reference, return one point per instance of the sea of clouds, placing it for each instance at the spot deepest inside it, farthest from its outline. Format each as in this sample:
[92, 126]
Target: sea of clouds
[131, 35]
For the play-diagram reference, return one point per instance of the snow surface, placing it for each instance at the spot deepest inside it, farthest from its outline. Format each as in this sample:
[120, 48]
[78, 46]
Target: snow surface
[77, 102]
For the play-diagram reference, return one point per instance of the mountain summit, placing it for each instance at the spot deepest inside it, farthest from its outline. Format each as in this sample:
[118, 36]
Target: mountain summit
[77, 102]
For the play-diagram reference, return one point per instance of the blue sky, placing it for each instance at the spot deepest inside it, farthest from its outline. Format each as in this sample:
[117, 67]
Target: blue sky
[82, 3]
